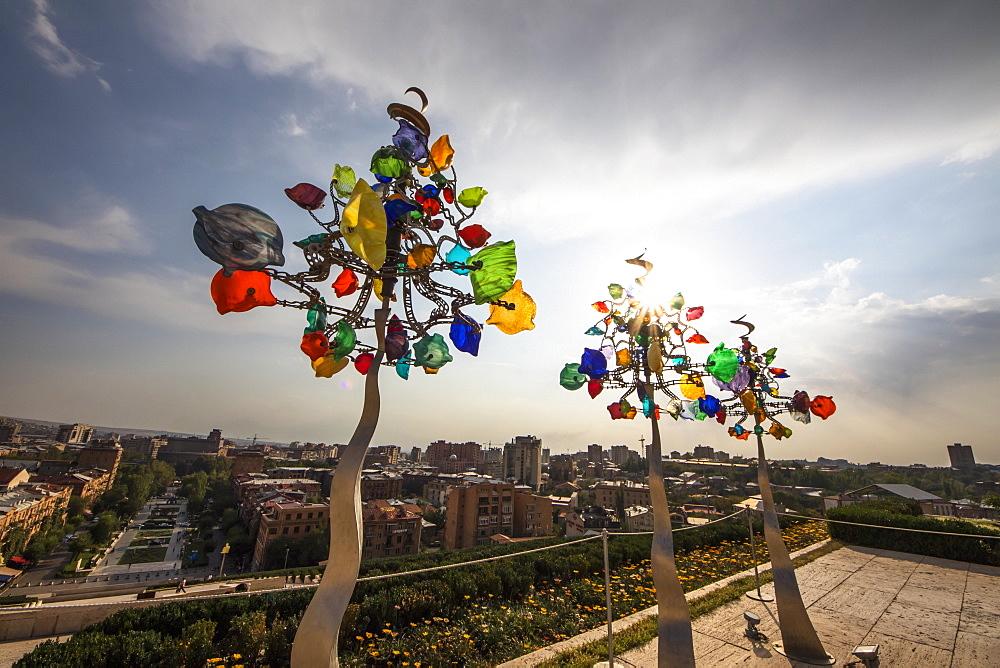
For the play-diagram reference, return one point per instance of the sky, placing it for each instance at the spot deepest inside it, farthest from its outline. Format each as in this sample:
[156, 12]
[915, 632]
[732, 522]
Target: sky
[831, 170]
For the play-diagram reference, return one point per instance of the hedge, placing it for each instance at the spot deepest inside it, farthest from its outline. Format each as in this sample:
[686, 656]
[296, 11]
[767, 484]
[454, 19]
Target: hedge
[961, 548]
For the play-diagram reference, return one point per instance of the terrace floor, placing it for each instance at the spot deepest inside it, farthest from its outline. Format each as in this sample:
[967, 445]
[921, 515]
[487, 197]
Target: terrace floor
[921, 611]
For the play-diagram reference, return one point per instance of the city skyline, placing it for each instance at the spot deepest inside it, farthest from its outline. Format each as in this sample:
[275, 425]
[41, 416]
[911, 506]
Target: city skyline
[831, 171]
[405, 448]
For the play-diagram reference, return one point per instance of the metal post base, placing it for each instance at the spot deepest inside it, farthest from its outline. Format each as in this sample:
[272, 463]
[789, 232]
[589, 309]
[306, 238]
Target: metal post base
[763, 598]
[828, 661]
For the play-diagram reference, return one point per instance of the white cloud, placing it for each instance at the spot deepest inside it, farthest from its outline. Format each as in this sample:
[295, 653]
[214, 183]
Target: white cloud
[697, 114]
[161, 295]
[981, 149]
[290, 126]
[57, 57]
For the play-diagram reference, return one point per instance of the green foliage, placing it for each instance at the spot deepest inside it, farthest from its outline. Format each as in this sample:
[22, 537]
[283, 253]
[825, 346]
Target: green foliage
[81, 543]
[196, 642]
[194, 488]
[971, 548]
[105, 527]
[306, 551]
[479, 614]
[15, 541]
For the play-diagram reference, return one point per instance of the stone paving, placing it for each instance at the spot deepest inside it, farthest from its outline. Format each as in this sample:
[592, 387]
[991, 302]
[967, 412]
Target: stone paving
[921, 611]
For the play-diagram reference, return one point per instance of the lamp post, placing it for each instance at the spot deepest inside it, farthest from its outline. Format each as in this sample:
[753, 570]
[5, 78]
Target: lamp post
[642, 350]
[748, 374]
[399, 235]
[287, 550]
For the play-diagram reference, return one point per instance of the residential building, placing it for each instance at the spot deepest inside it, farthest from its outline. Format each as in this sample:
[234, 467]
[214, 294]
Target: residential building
[491, 463]
[184, 450]
[562, 468]
[85, 483]
[477, 512]
[9, 430]
[27, 506]
[522, 461]
[285, 518]
[546, 455]
[11, 477]
[621, 494]
[961, 456]
[248, 461]
[590, 520]
[105, 455]
[595, 453]
[147, 446]
[704, 452]
[620, 454]
[416, 454]
[381, 485]
[75, 433]
[453, 457]
[389, 530]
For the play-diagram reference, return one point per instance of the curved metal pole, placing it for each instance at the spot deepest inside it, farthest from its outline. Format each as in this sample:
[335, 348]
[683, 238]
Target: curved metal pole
[798, 637]
[675, 644]
[316, 639]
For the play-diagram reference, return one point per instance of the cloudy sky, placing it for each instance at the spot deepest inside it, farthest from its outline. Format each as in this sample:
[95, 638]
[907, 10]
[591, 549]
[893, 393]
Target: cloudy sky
[830, 169]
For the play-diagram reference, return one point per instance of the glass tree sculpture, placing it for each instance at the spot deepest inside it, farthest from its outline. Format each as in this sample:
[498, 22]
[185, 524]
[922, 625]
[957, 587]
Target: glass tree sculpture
[755, 399]
[406, 237]
[642, 350]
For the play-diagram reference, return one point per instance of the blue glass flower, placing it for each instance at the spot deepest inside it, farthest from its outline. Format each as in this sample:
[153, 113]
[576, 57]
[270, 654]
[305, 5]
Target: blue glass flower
[593, 363]
[410, 141]
[466, 333]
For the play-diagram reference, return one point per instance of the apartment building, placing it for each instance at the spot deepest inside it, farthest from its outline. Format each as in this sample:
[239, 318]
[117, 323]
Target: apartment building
[26, 506]
[453, 457]
[477, 512]
[282, 517]
[389, 531]
[522, 461]
[606, 494]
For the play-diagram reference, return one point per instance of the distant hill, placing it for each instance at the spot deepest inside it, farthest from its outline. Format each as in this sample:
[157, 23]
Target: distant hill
[31, 427]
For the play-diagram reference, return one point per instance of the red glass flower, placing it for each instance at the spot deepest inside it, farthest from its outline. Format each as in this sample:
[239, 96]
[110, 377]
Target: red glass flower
[315, 345]
[346, 283]
[242, 291]
[474, 236]
[363, 363]
[307, 196]
[822, 407]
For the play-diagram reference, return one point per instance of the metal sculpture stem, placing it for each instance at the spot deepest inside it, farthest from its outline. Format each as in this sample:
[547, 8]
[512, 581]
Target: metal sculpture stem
[316, 639]
[798, 637]
[675, 645]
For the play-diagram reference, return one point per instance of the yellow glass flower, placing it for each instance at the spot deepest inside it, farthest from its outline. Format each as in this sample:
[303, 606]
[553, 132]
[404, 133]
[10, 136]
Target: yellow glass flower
[325, 367]
[692, 386]
[421, 256]
[364, 226]
[521, 319]
[377, 289]
[654, 356]
[623, 357]
[441, 156]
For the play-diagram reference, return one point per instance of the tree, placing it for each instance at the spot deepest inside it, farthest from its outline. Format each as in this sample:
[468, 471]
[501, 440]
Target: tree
[105, 527]
[76, 506]
[81, 544]
[163, 474]
[992, 500]
[194, 487]
[15, 541]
